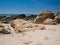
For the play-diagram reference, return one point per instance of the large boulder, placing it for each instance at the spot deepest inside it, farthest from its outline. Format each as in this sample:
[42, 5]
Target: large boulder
[49, 22]
[43, 16]
[57, 17]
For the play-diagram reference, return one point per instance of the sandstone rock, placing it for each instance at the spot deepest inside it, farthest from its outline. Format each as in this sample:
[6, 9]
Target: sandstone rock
[19, 25]
[43, 16]
[22, 25]
[17, 21]
[57, 17]
[20, 28]
[49, 22]
[6, 28]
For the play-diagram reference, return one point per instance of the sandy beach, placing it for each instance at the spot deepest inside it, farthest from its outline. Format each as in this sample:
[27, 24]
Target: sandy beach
[49, 36]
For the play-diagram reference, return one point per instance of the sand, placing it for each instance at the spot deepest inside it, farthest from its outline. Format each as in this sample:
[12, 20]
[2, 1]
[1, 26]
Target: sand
[49, 36]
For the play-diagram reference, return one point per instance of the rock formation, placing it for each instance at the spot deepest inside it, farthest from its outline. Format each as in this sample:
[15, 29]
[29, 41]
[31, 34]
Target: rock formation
[49, 22]
[57, 17]
[6, 28]
[20, 16]
[31, 17]
[43, 16]
[18, 24]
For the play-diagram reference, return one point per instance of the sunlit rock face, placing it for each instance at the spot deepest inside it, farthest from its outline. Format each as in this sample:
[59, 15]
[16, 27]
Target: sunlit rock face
[21, 25]
[43, 16]
[6, 28]
[57, 17]
[49, 22]
[18, 24]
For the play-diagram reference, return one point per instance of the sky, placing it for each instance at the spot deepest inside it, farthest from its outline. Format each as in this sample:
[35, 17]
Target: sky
[28, 6]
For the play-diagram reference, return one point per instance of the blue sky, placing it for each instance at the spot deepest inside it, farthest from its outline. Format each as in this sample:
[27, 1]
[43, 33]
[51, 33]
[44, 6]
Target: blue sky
[28, 6]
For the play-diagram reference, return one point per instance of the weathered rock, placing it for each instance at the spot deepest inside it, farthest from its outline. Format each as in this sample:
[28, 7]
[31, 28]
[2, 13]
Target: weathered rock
[22, 25]
[57, 17]
[20, 16]
[17, 21]
[43, 16]
[49, 22]
[18, 24]
[20, 28]
[3, 19]
[31, 17]
[6, 28]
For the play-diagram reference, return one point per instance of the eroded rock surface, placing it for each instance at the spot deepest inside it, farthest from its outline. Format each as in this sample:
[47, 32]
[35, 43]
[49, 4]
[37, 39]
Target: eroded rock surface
[6, 28]
[57, 17]
[49, 22]
[43, 16]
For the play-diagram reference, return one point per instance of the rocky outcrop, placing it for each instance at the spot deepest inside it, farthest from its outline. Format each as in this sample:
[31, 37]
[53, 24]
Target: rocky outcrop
[6, 19]
[43, 16]
[6, 28]
[3, 19]
[20, 16]
[57, 17]
[31, 17]
[49, 22]
[18, 25]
